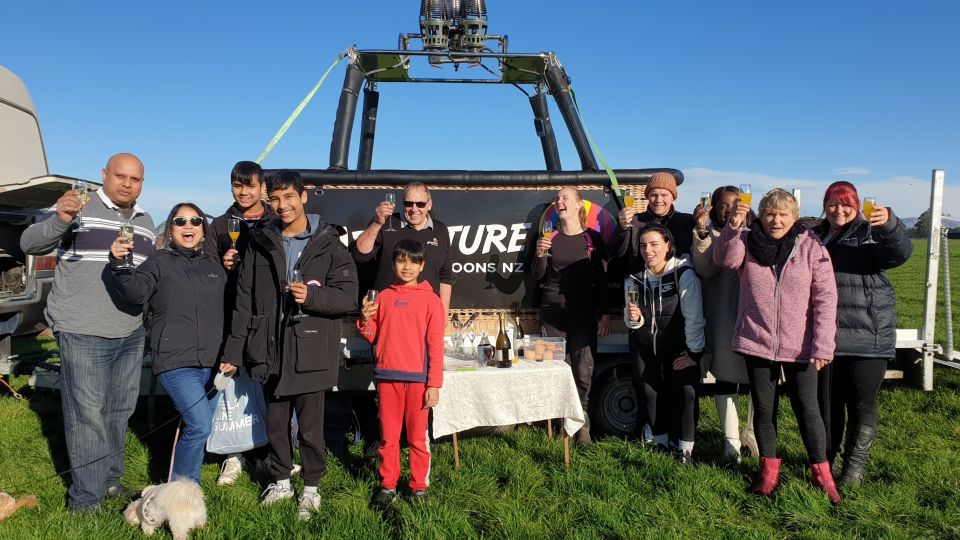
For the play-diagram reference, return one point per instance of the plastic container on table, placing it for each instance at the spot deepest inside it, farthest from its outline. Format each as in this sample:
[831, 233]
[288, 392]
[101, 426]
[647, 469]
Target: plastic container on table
[538, 349]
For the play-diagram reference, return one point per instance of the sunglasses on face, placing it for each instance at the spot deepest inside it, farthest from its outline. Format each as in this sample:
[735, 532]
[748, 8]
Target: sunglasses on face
[196, 221]
[409, 204]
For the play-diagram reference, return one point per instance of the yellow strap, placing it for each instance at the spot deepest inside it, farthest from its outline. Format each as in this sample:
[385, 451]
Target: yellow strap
[296, 112]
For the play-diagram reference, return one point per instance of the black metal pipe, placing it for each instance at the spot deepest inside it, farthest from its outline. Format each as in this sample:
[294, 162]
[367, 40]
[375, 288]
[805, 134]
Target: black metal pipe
[548, 140]
[556, 81]
[478, 178]
[346, 112]
[368, 128]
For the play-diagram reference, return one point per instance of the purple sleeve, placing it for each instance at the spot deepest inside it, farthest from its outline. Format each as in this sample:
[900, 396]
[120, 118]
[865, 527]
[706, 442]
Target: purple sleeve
[823, 297]
[730, 249]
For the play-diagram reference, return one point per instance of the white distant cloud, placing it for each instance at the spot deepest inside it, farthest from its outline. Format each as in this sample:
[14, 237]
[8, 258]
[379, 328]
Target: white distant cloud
[907, 195]
[851, 171]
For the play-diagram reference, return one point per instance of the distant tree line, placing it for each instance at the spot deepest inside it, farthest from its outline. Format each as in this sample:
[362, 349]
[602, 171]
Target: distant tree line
[921, 229]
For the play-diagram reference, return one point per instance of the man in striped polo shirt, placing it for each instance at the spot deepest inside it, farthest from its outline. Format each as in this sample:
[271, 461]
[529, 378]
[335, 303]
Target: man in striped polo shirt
[100, 336]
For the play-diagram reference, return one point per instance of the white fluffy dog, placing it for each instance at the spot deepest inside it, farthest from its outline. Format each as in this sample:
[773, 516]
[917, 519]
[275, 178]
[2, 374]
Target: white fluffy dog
[179, 504]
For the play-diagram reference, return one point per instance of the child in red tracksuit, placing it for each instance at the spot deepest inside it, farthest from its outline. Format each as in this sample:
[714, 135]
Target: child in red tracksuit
[405, 325]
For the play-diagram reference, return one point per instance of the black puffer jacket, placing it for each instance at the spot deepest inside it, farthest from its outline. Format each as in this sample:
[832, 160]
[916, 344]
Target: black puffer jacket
[305, 353]
[184, 292]
[866, 308]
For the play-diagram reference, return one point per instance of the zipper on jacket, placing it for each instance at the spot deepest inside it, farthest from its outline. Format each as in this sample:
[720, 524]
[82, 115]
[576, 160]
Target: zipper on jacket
[776, 302]
[776, 295]
[196, 307]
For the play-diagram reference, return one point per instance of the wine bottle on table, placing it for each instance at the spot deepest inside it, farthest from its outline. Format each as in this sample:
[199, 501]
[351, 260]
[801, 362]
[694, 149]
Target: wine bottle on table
[503, 346]
[518, 337]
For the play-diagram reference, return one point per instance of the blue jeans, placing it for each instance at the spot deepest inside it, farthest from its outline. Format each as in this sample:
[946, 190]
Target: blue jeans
[99, 386]
[187, 388]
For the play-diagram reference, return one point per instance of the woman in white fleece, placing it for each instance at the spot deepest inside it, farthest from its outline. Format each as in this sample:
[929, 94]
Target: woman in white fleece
[666, 340]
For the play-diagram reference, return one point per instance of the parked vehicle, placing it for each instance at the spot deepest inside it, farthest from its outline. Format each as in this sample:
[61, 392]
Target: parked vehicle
[26, 188]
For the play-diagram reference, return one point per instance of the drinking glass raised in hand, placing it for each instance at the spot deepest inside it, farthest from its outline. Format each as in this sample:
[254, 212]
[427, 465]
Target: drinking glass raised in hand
[83, 195]
[126, 232]
[869, 203]
[391, 199]
[233, 230]
[297, 279]
[746, 197]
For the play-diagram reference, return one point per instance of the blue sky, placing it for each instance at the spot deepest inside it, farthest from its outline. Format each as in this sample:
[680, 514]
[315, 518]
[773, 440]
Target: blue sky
[791, 94]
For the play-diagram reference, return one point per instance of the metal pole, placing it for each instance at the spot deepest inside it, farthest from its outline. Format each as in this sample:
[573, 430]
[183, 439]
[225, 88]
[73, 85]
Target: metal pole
[541, 122]
[557, 82]
[930, 294]
[947, 304]
[368, 128]
[346, 111]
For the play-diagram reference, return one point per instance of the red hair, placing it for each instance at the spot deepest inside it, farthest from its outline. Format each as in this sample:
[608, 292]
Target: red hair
[843, 191]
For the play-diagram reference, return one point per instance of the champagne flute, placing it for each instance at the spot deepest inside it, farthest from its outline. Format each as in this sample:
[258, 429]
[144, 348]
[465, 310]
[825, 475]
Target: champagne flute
[233, 230]
[83, 195]
[547, 229]
[633, 294]
[296, 278]
[126, 232]
[869, 203]
[746, 196]
[628, 201]
[705, 201]
[390, 199]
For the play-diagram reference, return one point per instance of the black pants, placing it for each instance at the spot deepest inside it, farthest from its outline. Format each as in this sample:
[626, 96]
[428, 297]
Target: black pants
[580, 329]
[669, 397]
[801, 379]
[855, 385]
[309, 408]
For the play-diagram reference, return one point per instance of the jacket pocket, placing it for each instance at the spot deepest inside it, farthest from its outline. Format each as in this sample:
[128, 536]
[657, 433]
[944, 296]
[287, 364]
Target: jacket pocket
[311, 347]
[258, 331]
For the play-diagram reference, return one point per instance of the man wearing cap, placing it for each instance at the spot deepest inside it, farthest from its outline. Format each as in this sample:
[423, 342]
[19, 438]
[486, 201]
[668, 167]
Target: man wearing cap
[660, 193]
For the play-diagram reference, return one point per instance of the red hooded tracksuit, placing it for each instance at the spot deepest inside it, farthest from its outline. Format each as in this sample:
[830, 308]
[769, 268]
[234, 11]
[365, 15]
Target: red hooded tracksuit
[407, 334]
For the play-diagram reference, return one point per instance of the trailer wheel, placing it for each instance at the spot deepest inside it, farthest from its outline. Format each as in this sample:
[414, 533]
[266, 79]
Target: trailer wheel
[614, 404]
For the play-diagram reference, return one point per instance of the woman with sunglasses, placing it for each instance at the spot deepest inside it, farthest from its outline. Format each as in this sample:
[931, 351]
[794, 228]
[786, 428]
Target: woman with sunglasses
[183, 289]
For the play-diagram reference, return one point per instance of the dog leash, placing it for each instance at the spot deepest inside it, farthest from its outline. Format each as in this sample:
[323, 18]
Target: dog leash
[179, 416]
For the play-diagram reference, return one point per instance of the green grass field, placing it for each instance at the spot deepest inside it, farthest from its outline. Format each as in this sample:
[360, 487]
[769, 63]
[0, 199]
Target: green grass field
[514, 485]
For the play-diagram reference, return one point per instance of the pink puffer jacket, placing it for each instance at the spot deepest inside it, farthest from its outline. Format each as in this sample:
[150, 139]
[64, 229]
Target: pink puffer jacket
[793, 319]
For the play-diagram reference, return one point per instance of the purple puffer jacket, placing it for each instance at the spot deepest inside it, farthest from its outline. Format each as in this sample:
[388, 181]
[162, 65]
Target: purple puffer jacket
[790, 320]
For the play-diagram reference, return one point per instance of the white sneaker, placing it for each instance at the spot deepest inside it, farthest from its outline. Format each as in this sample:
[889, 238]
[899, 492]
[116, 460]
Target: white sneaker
[275, 493]
[230, 471]
[309, 502]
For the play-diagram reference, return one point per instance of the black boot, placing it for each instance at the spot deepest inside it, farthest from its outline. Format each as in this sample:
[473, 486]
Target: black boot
[857, 454]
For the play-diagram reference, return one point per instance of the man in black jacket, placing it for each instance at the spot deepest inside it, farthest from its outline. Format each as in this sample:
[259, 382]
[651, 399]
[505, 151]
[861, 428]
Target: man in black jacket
[660, 193]
[248, 187]
[295, 357]
[415, 222]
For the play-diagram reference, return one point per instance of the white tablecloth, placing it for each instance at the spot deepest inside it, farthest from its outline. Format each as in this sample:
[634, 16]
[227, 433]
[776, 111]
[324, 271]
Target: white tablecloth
[489, 396]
